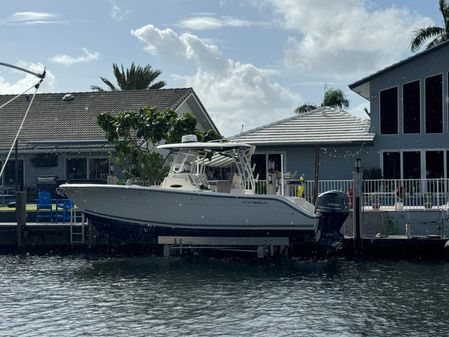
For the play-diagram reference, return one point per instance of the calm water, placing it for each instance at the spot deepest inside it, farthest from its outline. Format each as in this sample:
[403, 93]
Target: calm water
[150, 296]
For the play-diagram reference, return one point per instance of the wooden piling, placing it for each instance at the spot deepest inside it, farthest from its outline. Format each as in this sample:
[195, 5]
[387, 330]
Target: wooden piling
[21, 218]
[357, 192]
[91, 234]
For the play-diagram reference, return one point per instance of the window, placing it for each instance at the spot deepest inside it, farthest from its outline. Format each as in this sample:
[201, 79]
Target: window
[271, 161]
[389, 111]
[260, 169]
[77, 168]
[9, 176]
[98, 168]
[392, 165]
[412, 164]
[274, 163]
[434, 104]
[411, 106]
[434, 164]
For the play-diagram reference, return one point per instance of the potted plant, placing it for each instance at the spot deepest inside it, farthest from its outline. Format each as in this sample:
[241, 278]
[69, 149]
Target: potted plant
[428, 200]
[374, 200]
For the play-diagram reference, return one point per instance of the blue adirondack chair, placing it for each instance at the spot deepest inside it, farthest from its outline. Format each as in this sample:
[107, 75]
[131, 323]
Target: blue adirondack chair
[44, 207]
[63, 207]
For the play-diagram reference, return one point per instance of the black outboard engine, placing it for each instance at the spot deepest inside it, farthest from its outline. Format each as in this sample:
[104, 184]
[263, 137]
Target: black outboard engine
[333, 207]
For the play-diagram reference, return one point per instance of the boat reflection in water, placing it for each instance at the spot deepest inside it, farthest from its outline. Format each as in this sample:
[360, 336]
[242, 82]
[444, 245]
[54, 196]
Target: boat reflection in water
[186, 204]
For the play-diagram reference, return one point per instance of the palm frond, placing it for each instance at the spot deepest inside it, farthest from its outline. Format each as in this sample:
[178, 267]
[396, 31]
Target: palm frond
[444, 9]
[157, 85]
[420, 36]
[134, 77]
[108, 83]
[96, 88]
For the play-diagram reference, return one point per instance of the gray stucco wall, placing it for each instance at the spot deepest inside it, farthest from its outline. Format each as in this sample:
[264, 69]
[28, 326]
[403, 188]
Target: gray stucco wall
[336, 162]
[31, 173]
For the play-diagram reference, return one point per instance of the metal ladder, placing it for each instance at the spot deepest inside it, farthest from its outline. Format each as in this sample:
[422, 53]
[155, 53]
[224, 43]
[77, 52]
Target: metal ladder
[77, 229]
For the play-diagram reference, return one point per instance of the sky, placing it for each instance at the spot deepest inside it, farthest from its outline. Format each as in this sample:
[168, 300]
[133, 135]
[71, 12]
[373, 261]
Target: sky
[251, 62]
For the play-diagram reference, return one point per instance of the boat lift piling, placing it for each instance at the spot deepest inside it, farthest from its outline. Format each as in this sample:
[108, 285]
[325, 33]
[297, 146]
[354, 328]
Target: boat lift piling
[21, 218]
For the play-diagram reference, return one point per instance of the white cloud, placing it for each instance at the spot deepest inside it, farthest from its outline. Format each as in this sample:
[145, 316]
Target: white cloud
[25, 80]
[234, 93]
[87, 56]
[211, 22]
[344, 38]
[117, 13]
[33, 18]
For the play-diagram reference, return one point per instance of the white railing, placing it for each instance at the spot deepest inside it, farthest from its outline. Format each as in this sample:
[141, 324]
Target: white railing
[384, 192]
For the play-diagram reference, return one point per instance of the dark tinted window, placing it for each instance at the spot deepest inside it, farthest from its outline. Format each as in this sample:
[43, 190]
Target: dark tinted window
[98, 168]
[434, 164]
[411, 107]
[77, 168]
[434, 104]
[412, 165]
[389, 111]
[260, 169]
[392, 165]
[10, 173]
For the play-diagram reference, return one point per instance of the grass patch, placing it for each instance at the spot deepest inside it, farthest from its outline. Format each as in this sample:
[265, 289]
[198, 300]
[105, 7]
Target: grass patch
[29, 208]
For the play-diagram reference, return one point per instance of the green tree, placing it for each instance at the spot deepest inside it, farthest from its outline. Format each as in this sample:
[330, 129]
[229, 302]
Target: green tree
[437, 34]
[305, 108]
[134, 77]
[335, 98]
[134, 134]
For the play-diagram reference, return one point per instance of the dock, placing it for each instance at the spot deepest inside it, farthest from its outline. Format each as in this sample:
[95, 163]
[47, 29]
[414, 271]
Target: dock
[387, 232]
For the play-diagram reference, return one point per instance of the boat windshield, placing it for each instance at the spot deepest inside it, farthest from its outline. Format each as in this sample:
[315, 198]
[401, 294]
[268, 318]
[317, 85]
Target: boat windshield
[182, 163]
[201, 163]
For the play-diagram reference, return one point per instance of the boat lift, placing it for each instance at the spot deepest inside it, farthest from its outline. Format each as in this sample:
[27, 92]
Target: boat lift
[262, 246]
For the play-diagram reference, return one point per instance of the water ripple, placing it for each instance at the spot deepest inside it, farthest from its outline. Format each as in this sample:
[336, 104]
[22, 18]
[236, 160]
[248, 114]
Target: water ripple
[77, 296]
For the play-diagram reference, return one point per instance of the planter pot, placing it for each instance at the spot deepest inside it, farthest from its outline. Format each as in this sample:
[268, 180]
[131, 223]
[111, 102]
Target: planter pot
[375, 206]
[399, 206]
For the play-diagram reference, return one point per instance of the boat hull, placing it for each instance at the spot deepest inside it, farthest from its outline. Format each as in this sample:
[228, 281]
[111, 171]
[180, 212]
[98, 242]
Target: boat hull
[153, 207]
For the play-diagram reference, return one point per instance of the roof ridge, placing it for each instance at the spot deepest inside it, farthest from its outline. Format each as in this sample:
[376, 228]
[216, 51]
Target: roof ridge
[103, 92]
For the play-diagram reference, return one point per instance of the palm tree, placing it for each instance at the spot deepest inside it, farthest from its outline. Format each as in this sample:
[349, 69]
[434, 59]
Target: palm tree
[135, 77]
[437, 34]
[335, 98]
[305, 108]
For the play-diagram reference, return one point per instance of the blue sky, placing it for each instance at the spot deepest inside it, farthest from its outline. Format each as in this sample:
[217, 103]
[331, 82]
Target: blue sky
[250, 62]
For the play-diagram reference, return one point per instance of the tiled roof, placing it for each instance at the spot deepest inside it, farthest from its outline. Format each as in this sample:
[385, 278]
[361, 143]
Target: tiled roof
[319, 126]
[53, 119]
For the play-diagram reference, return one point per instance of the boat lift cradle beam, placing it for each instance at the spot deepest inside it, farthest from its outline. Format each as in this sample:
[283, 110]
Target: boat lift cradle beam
[263, 246]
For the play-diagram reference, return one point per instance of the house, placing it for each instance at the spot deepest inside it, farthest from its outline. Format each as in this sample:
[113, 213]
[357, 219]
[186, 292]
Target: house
[61, 141]
[325, 136]
[406, 137]
[409, 115]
